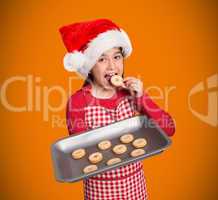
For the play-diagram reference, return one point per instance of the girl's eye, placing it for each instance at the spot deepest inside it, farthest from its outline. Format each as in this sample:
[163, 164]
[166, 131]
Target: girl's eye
[117, 57]
[101, 59]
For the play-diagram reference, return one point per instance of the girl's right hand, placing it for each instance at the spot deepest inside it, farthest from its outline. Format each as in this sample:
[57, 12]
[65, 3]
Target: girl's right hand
[134, 85]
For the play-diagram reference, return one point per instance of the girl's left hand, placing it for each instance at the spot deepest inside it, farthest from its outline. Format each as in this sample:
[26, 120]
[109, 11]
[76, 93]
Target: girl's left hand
[134, 85]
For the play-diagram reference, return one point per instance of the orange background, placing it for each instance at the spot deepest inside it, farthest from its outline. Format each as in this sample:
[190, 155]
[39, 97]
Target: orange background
[174, 45]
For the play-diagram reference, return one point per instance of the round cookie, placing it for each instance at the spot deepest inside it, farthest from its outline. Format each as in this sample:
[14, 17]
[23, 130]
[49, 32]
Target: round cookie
[116, 80]
[90, 168]
[139, 142]
[137, 152]
[120, 149]
[79, 153]
[95, 157]
[104, 145]
[127, 138]
[113, 161]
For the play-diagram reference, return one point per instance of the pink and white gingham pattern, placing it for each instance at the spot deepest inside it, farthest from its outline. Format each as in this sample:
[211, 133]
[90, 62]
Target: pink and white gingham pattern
[126, 182]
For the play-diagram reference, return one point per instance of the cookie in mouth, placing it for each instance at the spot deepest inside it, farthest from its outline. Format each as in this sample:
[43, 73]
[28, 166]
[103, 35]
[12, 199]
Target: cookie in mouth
[117, 81]
[109, 75]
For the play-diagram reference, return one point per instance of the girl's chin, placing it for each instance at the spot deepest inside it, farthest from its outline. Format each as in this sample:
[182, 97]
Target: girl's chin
[108, 86]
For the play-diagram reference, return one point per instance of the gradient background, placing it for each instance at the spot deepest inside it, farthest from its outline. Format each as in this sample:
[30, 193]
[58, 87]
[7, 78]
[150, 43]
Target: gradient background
[175, 44]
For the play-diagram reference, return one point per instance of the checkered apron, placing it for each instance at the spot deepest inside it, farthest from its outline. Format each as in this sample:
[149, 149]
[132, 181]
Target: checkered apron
[124, 183]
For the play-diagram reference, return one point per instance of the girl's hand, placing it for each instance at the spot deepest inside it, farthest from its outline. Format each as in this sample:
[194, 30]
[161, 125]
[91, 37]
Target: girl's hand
[134, 85]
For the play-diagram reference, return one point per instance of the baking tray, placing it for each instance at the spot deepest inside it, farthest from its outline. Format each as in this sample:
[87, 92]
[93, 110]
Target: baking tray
[68, 169]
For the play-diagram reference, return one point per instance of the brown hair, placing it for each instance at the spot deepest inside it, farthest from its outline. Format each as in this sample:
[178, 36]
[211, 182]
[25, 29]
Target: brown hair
[88, 80]
[90, 77]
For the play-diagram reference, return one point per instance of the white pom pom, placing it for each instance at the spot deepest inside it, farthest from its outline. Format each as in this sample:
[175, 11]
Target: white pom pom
[74, 61]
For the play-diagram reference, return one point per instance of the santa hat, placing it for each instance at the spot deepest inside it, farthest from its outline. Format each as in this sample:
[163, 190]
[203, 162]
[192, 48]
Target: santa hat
[87, 41]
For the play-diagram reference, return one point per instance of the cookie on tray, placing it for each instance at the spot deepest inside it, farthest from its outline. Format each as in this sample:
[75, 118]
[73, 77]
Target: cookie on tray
[113, 161]
[104, 145]
[90, 168]
[127, 138]
[137, 152]
[139, 143]
[95, 157]
[78, 153]
[120, 149]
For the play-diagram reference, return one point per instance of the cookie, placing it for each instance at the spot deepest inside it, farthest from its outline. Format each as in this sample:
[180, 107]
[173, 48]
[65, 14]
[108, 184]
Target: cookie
[95, 157]
[90, 168]
[139, 143]
[103, 145]
[113, 161]
[127, 138]
[119, 149]
[79, 153]
[116, 81]
[137, 152]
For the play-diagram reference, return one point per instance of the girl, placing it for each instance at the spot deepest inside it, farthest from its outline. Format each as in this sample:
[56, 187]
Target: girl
[96, 51]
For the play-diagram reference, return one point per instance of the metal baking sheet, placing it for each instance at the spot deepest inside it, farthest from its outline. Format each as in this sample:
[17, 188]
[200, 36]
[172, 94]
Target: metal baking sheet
[68, 169]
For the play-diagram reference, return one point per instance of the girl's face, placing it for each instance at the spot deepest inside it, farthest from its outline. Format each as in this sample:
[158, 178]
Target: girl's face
[109, 63]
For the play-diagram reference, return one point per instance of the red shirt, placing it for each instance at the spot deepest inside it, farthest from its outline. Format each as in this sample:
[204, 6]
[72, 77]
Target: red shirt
[80, 103]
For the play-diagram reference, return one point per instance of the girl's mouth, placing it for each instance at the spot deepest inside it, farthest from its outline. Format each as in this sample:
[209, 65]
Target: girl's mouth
[109, 75]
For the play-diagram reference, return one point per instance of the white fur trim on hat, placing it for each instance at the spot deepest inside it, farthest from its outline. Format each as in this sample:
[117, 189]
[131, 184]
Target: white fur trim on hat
[83, 62]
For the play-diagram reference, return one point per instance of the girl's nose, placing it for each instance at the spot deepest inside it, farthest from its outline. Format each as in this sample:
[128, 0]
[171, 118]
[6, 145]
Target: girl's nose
[111, 64]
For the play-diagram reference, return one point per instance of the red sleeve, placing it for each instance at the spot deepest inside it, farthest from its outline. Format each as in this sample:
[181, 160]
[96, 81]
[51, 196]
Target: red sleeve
[146, 106]
[75, 114]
